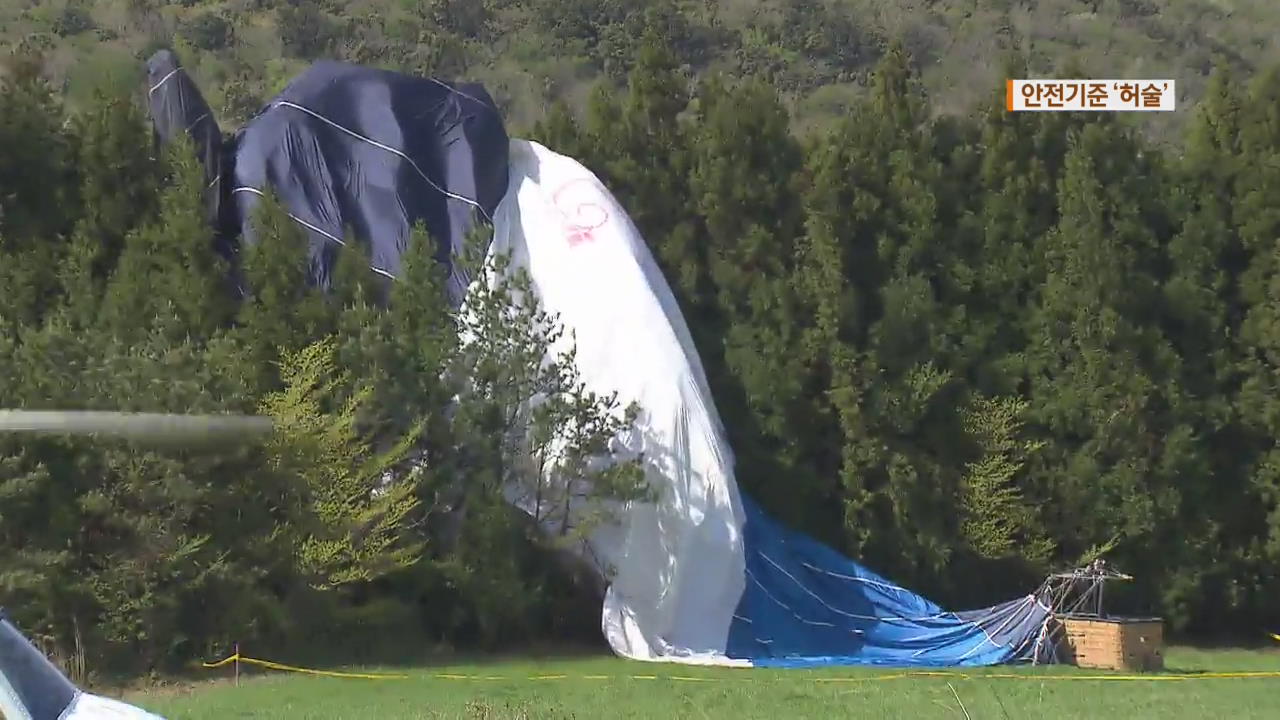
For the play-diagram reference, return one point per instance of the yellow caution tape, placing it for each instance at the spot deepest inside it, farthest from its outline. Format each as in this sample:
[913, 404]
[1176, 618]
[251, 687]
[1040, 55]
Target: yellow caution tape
[307, 671]
[1153, 677]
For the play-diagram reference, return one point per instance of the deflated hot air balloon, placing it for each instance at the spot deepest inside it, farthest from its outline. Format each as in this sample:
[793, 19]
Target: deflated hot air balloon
[32, 688]
[702, 573]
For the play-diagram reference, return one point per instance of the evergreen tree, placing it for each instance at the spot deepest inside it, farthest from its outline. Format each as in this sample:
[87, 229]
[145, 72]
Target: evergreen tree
[998, 523]
[639, 148]
[36, 191]
[1021, 160]
[1098, 369]
[169, 271]
[282, 311]
[526, 430]
[120, 174]
[963, 352]
[1258, 223]
[560, 131]
[1203, 306]
[424, 336]
[744, 190]
[36, 174]
[358, 532]
[882, 336]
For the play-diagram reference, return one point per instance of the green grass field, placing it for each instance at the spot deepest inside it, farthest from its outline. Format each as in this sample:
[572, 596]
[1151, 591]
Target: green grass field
[611, 688]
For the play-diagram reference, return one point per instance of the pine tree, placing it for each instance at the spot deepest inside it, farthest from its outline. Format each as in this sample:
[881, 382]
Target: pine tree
[1099, 371]
[882, 337]
[119, 179]
[1203, 324]
[358, 531]
[560, 131]
[1021, 161]
[365, 343]
[120, 173]
[37, 181]
[132, 540]
[1258, 224]
[638, 147]
[37, 174]
[998, 521]
[743, 181]
[169, 269]
[282, 311]
[424, 334]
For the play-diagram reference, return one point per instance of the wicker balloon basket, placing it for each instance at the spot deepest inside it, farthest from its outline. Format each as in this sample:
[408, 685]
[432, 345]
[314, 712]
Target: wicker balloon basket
[1113, 643]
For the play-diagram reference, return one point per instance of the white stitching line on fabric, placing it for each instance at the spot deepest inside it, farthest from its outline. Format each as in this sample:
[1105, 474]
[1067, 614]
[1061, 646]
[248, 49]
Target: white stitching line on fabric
[309, 226]
[456, 91]
[1021, 607]
[164, 80]
[972, 623]
[196, 122]
[975, 623]
[855, 578]
[1005, 615]
[788, 607]
[1012, 615]
[295, 218]
[842, 612]
[986, 638]
[388, 148]
[1033, 639]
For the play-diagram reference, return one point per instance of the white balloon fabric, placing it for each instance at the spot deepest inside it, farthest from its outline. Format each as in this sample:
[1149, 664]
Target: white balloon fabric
[96, 707]
[32, 687]
[703, 575]
[679, 568]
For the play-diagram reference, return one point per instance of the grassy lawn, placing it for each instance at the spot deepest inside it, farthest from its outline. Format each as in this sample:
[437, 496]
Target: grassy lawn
[608, 687]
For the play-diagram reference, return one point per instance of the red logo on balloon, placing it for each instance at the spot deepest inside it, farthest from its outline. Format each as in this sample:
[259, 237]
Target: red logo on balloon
[575, 202]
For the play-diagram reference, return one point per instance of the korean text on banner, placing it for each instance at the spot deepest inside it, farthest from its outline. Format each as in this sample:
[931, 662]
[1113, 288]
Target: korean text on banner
[1090, 95]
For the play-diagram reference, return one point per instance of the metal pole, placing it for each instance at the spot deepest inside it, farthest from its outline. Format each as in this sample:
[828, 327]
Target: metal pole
[138, 426]
[237, 664]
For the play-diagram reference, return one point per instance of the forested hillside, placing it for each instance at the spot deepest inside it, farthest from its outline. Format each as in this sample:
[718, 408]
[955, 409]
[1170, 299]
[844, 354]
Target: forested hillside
[530, 52]
[965, 349]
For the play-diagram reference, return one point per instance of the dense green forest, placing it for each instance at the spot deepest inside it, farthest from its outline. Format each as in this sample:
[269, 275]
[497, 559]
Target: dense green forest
[966, 349]
[818, 53]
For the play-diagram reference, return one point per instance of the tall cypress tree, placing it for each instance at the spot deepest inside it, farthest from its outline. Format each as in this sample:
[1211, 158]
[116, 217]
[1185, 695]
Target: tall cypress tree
[1258, 222]
[639, 147]
[282, 310]
[37, 181]
[872, 272]
[1020, 163]
[120, 172]
[36, 170]
[1100, 373]
[1205, 257]
[744, 168]
[169, 272]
